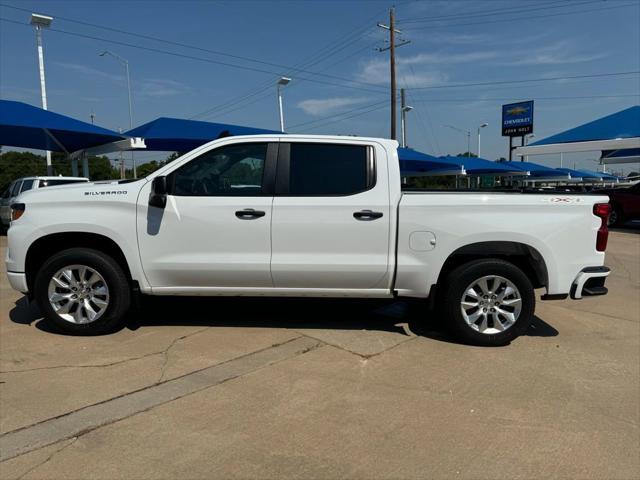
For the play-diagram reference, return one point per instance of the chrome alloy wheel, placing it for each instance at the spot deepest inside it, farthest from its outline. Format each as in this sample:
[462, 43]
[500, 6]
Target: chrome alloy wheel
[491, 304]
[78, 294]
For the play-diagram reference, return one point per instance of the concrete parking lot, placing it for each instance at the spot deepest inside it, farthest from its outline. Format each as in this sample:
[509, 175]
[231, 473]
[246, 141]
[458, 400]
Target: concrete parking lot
[226, 388]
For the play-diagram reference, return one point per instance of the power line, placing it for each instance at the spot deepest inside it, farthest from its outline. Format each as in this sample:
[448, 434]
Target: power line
[544, 79]
[578, 97]
[201, 59]
[498, 11]
[528, 17]
[195, 47]
[339, 114]
[384, 105]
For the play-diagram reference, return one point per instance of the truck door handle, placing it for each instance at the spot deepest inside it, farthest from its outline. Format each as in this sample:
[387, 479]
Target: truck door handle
[366, 215]
[249, 213]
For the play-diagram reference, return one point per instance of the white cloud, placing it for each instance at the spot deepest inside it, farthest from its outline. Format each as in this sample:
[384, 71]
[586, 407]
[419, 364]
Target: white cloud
[94, 72]
[156, 87]
[321, 106]
[146, 87]
[559, 53]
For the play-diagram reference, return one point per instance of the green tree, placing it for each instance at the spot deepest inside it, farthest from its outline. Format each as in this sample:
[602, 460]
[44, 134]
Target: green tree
[15, 164]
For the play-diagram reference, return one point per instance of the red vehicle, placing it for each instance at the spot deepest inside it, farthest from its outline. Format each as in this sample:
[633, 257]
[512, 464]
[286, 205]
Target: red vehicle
[625, 204]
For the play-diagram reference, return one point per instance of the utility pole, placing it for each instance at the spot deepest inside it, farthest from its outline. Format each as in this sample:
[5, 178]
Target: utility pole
[392, 64]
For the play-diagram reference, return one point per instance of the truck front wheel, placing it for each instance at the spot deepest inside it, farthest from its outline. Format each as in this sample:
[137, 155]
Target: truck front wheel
[82, 291]
[488, 302]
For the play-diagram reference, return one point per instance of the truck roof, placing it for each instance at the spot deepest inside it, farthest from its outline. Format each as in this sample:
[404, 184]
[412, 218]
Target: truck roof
[45, 177]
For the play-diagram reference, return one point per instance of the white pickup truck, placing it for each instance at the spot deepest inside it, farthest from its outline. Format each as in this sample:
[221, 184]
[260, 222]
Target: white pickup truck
[303, 216]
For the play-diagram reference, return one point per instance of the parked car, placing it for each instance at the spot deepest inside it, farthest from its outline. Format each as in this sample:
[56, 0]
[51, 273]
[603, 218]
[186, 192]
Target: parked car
[20, 185]
[303, 216]
[625, 204]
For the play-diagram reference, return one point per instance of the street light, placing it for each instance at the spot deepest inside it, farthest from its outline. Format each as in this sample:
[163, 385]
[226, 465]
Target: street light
[403, 123]
[527, 138]
[481, 126]
[40, 22]
[281, 83]
[467, 133]
[125, 63]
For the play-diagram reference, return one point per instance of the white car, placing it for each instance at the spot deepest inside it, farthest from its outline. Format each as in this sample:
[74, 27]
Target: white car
[29, 183]
[303, 216]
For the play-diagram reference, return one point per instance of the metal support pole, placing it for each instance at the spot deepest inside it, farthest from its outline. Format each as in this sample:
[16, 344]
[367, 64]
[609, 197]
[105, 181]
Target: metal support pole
[510, 148]
[133, 160]
[74, 167]
[468, 143]
[478, 142]
[85, 165]
[403, 118]
[280, 109]
[43, 87]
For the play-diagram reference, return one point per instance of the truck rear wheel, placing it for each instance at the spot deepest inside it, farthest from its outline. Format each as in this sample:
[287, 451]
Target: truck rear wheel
[82, 291]
[488, 302]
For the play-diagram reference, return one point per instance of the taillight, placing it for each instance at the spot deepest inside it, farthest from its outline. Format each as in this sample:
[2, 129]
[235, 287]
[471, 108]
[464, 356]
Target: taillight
[17, 209]
[602, 210]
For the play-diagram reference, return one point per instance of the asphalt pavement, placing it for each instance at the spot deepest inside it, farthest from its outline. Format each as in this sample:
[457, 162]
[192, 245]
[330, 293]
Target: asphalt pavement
[286, 388]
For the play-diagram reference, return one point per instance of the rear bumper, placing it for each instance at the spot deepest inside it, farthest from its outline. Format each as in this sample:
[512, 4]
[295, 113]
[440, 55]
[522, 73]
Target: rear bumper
[18, 281]
[590, 282]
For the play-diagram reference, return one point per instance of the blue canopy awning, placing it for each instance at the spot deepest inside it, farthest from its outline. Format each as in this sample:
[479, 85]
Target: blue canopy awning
[537, 170]
[178, 135]
[480, 166]
[581, 174]
[623, 124]
[414, 163]
[620, 130]
[26, 126]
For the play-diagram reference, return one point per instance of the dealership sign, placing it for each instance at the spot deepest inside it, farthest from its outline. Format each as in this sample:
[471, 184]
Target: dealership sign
[517, 119]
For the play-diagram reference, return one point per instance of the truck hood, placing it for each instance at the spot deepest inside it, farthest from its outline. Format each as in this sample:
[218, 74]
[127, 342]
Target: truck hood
[107, 190]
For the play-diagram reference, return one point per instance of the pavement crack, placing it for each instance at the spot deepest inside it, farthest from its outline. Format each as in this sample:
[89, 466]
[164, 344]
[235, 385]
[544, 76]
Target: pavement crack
[48, 459]
[165, 352]
[109, 364]
[364, 356]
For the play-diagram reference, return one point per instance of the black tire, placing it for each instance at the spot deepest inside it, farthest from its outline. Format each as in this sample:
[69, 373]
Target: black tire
[615, 217]
[460, 278]
[114, 277]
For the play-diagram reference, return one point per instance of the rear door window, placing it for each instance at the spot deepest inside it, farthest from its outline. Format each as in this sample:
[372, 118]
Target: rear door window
[329, 169]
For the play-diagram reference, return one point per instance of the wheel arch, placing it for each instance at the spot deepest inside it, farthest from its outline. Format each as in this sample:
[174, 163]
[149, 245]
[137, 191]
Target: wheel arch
[524, 256]
[46, 246]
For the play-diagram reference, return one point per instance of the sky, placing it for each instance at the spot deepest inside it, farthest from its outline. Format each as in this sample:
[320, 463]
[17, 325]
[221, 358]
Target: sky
[220, 60]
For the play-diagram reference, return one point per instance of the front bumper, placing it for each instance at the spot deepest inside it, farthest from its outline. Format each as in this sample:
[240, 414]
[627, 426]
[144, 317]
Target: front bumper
[18, 281]
[590, 282]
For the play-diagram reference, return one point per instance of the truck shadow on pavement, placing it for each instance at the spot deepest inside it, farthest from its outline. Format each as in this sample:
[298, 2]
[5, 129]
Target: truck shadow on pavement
[403, 317]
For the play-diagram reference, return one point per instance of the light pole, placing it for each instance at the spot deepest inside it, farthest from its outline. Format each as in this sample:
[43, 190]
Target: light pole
[404, 108]
[281, 83]
[467, 133]
[40, 22]
[125, 63]
[527, 138]
[403, 123]
[481, 126]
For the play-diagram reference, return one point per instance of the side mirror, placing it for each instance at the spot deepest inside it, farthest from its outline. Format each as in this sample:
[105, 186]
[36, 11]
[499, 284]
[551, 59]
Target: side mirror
[158, 195]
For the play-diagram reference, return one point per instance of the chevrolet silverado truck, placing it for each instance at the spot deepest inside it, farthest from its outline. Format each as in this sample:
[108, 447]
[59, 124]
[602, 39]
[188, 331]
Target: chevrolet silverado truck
[303, 216]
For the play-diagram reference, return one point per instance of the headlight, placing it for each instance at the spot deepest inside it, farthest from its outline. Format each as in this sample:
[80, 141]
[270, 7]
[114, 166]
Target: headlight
[17, 210]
